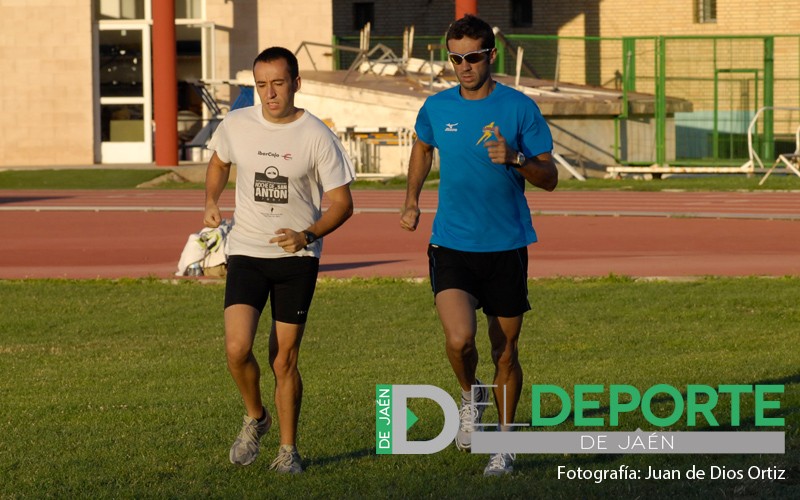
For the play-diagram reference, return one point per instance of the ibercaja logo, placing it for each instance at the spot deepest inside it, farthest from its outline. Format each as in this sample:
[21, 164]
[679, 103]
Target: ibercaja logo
[699, 405]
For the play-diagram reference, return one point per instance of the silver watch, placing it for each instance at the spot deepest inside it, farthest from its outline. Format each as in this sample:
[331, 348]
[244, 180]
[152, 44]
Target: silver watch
[520, 159]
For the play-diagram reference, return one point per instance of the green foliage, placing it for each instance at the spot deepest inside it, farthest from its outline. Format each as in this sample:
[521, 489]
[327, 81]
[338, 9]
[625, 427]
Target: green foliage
[119, 389]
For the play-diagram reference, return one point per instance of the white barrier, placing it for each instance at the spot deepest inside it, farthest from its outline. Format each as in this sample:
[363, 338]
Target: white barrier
[750, 164]
[791, 161]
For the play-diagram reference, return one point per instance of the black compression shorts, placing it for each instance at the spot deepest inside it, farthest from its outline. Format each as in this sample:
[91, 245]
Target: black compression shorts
[288, 281]
[499, 280]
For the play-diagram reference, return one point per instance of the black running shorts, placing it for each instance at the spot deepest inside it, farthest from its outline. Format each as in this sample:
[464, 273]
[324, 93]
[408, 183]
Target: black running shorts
[288, 281]
[499, 280]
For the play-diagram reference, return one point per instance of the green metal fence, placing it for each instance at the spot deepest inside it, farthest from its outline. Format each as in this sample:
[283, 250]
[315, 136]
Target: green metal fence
[704, 91]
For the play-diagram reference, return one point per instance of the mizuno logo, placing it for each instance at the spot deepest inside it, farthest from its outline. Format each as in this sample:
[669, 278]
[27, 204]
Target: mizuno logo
[451, 127]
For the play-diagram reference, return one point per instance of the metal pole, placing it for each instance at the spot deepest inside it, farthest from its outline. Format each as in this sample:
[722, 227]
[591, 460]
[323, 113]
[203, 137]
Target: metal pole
[165, 84]
[768, 151]
[466, 7]
[661, 102]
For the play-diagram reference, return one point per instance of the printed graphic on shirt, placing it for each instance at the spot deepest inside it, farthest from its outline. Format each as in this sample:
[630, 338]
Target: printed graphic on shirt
[271, 187]
[488, 130]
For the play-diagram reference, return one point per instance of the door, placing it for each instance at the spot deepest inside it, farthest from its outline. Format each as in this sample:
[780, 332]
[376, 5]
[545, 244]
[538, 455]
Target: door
[124, 79]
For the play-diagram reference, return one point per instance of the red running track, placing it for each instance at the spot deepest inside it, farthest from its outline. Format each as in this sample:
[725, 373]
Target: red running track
[761, 204]
[136, 233]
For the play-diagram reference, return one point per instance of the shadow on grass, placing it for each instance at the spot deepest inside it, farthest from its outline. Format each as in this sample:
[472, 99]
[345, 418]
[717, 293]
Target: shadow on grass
[354, 265]
[342, 457]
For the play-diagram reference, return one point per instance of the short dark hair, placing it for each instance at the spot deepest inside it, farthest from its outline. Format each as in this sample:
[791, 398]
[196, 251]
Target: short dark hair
[275, 53]
[472, 27]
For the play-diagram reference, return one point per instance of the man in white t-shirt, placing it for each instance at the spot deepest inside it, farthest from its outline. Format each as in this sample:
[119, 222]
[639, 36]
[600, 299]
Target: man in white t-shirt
[286, 158]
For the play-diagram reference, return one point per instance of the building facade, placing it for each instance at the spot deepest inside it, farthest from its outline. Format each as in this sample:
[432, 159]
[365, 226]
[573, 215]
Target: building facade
[77, 78]
[606, 18]
[77, 84]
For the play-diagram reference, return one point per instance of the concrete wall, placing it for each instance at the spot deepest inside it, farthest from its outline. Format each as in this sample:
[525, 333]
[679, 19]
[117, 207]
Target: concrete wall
[236, 35]
[289, 23]
[356, 107]
[46, 89]
[363, 109]
[246, 27]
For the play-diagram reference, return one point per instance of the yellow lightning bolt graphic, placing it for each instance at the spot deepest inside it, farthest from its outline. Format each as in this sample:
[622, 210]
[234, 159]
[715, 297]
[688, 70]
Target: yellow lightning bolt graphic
[487, 132]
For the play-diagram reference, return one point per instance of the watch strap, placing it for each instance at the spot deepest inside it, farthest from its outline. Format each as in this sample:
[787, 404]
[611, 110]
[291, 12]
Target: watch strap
[310, 238]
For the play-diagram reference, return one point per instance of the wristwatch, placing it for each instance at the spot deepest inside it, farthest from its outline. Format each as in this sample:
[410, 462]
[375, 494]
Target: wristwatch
[310, 238]
[520, 159]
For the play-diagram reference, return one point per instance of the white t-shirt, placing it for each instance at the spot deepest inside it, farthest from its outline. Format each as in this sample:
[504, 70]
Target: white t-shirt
[282, 172]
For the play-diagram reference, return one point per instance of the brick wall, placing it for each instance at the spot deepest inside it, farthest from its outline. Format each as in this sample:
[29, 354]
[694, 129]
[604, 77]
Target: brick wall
[427, 17]
[614, 18]
[610, 18]
[288, 24]
[46, 111]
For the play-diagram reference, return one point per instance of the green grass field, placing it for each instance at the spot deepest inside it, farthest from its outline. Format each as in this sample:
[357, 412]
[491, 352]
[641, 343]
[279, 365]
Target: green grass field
[119, 389]
[76, 178]
[128, 179]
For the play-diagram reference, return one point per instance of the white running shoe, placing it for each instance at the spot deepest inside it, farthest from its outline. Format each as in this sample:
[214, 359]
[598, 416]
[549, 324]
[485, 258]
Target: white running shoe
[470, 414]
[288, 461]
[245, 449]
[500, 464]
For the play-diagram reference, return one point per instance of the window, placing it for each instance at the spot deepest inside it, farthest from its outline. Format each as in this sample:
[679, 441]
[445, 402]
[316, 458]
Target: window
[706, 11]
[363, 13]
[136, 9]
[188, 9]
[119, 9]
[521, 13]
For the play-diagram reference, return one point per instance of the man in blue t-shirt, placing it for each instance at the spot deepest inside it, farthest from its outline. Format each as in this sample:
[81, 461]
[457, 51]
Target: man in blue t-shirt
[491, 139]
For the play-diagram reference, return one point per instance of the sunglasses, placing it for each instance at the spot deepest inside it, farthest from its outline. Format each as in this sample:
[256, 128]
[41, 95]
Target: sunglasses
[473, 57]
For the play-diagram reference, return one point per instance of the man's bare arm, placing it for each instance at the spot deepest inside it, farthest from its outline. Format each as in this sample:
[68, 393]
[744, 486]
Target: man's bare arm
[217, 174]
[419, 166]
[339, 210]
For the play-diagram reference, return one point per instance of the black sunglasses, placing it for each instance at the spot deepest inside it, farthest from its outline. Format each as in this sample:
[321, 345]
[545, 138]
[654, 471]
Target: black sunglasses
[473, 57]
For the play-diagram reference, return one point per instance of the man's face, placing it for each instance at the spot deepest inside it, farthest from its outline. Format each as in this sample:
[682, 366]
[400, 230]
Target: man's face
[472, 76]
[276, 89]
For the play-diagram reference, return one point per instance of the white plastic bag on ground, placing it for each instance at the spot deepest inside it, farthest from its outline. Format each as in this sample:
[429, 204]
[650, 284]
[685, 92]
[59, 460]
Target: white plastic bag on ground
[205, 252]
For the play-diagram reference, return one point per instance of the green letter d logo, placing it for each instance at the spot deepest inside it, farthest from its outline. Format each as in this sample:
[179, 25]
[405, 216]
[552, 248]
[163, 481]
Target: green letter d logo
[400, 415]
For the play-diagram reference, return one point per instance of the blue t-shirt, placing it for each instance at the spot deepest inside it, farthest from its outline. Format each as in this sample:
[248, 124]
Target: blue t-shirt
[482, 205]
